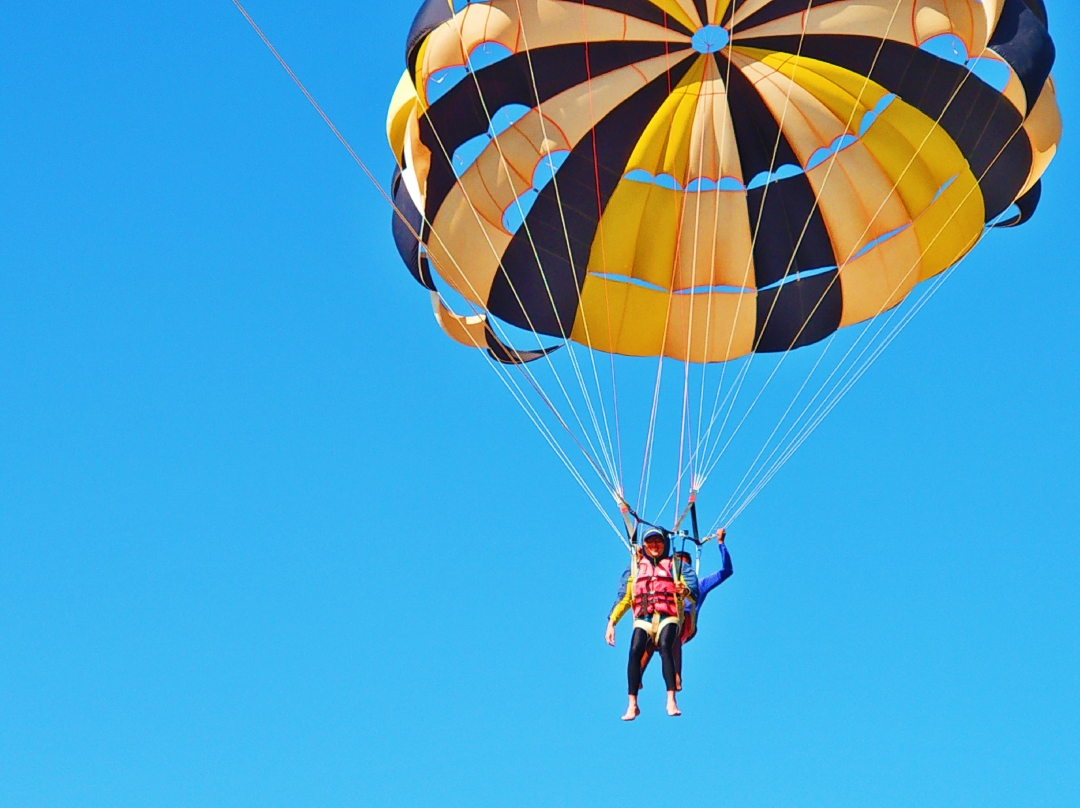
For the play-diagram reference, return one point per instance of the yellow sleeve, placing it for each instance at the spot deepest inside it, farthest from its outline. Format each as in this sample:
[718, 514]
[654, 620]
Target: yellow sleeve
[624, 604]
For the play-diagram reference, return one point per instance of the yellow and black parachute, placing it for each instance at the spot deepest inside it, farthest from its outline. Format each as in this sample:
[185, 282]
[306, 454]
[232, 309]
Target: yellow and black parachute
[703, 180]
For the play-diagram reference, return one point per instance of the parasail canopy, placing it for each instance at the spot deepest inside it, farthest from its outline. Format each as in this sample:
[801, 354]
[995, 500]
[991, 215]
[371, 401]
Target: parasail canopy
[707, 179]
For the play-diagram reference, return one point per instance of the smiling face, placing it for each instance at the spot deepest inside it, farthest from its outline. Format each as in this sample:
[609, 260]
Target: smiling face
[654, 547]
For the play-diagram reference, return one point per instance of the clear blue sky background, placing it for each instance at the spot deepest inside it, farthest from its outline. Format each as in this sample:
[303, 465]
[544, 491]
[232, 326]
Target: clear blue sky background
[268, 539]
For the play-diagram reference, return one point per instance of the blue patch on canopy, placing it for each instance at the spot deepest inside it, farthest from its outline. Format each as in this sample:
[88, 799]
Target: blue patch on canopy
[952, 49]
[701, 184]
[667, 181]
[514, 216]
[629, 280]
[871, 116]
[488, 53]
[443, 81]
[458, 5]
[507, 116]
[880, 240]
[546, 169]
[944, 187]
[781, 173]
[695, 186]
[639, 175]
[483, 55]
[949, 47]
[992, 71]
[469, 152]
[797, 276]
[823, 154]
[1006, 217]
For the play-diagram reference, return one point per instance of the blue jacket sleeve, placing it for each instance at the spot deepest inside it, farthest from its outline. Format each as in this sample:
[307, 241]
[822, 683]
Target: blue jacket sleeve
[710, 582]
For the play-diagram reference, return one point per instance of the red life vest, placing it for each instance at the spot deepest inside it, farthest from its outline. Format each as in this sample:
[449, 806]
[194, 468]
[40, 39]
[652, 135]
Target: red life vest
[654, 588]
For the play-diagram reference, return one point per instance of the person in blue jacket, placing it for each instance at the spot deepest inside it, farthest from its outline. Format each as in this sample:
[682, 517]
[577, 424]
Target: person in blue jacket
[708, 584]
[692, 608]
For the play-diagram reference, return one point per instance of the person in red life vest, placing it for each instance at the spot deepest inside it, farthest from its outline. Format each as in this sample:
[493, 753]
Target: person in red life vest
[655, 587]
[693, 607]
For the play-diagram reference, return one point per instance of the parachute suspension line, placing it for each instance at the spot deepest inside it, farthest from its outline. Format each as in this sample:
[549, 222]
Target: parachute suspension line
[847, 260]
[526, 371]
[711, 463]
[728, 408]
[712, 458]
[650, 436]
[927, 295]
[761, 479]
[683, 472]
[791, 261]
[649, 445]
[682, 429]
[684, 412]
[827, 406]
[545, 431]
[518, 396]
[739, 490]
[754, 403]
[647, 463]
[765, 192]
[697, 481]
[712, 275]
[704, 109]
[596, 467]
[685, 424]
[514, 291]
[845, 384]
[603, 247]
[902, 281]
[324, 116]
[605, 448]
[783, 418]
[570, 348]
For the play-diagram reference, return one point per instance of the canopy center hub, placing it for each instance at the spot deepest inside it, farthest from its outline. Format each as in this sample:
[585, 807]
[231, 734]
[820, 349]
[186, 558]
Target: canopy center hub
[710, 39]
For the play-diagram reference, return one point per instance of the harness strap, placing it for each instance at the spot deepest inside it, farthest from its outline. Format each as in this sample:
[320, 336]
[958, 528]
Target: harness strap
[629, 516]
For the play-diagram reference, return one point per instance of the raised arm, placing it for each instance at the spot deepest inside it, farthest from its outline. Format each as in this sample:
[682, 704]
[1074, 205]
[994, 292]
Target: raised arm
[710, 582]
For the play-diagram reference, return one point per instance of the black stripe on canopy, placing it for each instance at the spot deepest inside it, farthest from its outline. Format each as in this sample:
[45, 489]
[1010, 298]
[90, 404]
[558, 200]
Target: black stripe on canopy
[790, 232]
[985, 126]
[777, 10]
[1022, 40]
[642, 10]
[798, 313]
[463, 112]
[550, 291]
[791, 236]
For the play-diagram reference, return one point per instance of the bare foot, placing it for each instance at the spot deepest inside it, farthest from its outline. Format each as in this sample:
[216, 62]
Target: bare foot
[632, 710]
[672, 707]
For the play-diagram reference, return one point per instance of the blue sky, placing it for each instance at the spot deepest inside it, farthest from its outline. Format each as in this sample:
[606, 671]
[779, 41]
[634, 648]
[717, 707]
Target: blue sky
[267, 538]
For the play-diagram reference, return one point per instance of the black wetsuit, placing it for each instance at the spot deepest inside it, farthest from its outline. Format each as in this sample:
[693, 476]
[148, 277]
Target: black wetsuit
[640, 644]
